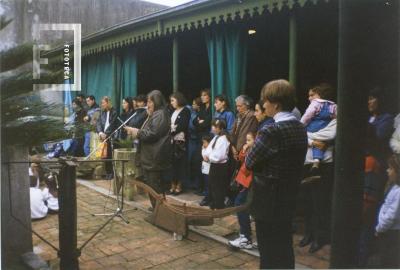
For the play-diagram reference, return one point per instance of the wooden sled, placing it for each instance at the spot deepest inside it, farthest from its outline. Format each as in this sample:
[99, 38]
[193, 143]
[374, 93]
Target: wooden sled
[175, 217]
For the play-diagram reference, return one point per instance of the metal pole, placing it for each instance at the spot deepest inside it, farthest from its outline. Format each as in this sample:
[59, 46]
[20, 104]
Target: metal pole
[175, 64]
[355, 70]
[293, 49]
[67, 218]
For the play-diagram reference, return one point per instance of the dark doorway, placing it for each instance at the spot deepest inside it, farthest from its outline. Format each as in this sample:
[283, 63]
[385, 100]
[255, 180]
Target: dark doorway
[155, 66]
[317, 49]
[267, 51]
[194, 70]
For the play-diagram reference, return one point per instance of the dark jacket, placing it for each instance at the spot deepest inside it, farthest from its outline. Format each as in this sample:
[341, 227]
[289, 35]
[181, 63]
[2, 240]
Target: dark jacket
[265, 122]
[155, 146]
[205, 127]
[182, 123]
[138, 119]
[112, 120]
[378, 135]
[79, 124]
[124, 116]
[277, 160]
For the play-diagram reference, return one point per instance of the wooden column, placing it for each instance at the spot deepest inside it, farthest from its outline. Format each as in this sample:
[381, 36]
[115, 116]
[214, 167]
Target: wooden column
[67, 218]
[175, 64]
[293, 49]
[355, 70]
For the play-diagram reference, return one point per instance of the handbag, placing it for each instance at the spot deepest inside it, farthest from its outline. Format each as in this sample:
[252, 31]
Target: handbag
[205, 167]
[102, 151]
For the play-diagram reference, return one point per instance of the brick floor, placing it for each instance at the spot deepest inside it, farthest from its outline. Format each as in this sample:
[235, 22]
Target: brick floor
[137, 245]
[228, 228]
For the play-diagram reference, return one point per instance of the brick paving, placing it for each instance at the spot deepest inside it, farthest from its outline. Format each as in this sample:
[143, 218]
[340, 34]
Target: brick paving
[137, 245]
[228, 228]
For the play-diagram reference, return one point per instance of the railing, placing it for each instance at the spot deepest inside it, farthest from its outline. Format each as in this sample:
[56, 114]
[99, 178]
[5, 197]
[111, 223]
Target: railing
[68, 250]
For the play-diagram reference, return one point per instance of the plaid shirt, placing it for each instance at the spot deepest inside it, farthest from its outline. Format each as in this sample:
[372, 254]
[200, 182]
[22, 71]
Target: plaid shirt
[278, 154]
[279, 150]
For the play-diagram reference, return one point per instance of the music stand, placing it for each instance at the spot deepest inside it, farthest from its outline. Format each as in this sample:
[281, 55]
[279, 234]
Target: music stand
[120, 203]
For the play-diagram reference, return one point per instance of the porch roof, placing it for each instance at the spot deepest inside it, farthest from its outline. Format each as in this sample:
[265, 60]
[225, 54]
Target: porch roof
[192, 15]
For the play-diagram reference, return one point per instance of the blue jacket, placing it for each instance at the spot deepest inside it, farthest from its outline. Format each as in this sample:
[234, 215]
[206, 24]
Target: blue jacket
[265, 122]
[193, 135]
[228, 117]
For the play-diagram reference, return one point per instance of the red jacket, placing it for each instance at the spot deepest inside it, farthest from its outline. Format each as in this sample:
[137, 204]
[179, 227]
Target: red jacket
[244, 176]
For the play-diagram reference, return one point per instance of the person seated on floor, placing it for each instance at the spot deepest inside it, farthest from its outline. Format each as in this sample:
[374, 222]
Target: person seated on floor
[36, 170]
[51, 194]
[37, 196]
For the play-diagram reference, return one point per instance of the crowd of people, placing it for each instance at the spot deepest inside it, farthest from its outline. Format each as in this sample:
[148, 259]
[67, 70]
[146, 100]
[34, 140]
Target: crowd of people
[264, 152]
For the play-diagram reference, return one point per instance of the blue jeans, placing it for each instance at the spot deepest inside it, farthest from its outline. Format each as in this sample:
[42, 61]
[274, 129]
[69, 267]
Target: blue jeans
[320, 121]
[86, 144]
[318, 153]
[243, 216]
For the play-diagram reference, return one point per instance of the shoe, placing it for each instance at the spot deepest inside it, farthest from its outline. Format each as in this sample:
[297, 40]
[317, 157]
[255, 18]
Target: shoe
[307, 239]
[199, 192]
[255, 245]
[315, 171]
[241, 243]
[204, 202]
[315, 246]
[178, 189]
[177, 192]
[228, 202]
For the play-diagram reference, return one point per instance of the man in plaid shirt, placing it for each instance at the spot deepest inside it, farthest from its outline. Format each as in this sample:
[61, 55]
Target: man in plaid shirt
[277, 160]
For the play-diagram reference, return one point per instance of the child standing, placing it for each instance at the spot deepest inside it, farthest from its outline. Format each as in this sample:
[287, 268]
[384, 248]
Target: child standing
[205, 170]
[388, 228]
[217, 154]
[318, 115]
[243, 179]
[37, 197]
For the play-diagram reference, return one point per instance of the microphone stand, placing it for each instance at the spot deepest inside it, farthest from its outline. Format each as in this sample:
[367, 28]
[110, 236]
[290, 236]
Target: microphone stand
[120, 203]
[109, 136]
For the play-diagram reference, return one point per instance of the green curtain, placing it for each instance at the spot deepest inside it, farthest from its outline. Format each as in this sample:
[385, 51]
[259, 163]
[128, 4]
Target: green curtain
[113, 75]
[128, 73]
[227, 55]
[116, 67]
[236, 61]
[215, 47]
[97, 76]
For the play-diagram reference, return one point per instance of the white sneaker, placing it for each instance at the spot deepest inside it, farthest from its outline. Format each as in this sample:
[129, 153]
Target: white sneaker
[241, 242]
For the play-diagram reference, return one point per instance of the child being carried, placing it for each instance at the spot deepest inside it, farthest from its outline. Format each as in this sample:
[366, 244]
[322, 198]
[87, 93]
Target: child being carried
[317, 116]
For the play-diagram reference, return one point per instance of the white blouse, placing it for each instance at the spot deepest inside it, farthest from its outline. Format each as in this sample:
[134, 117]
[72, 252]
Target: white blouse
[218, 154]
[52, 202]
[38, 207]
